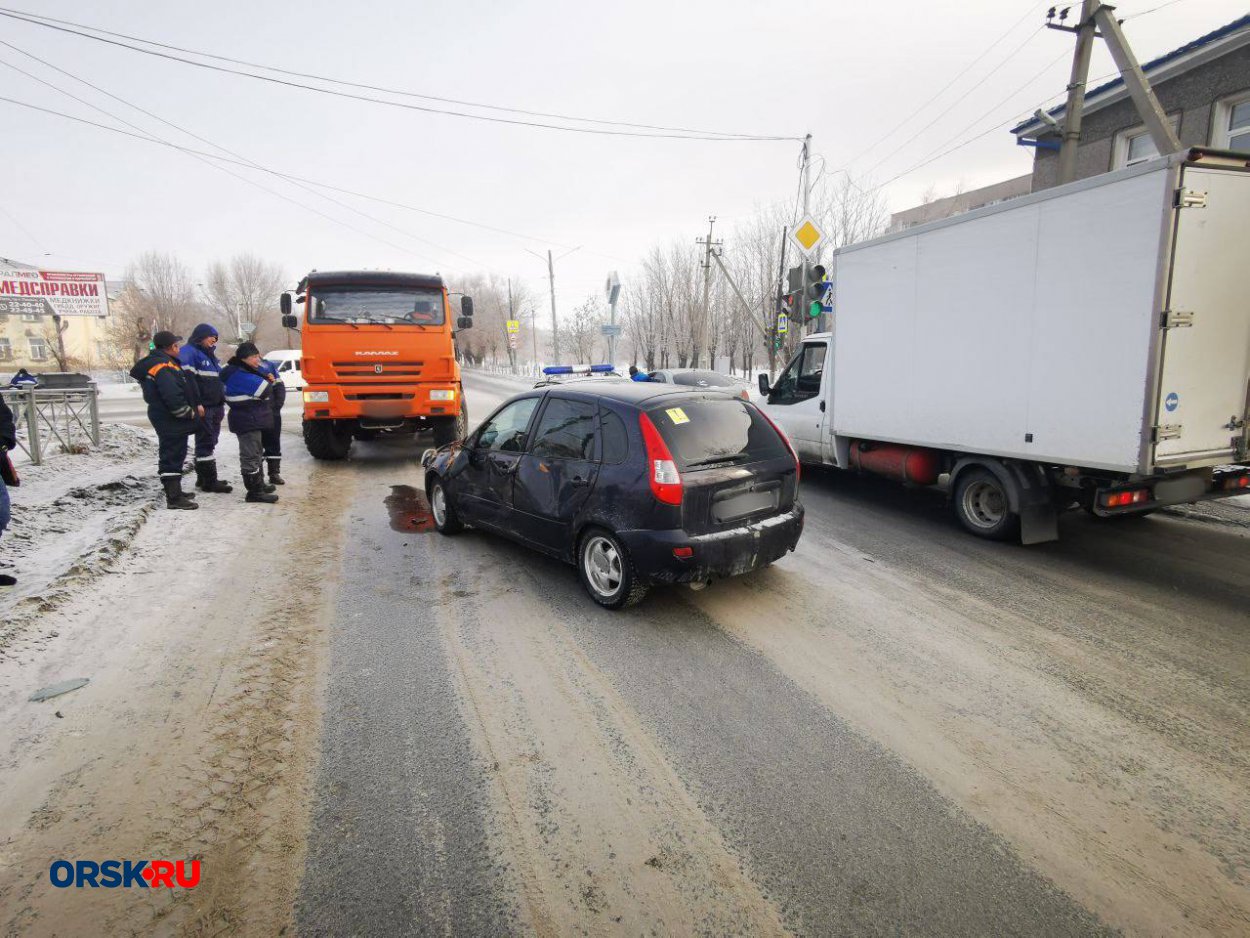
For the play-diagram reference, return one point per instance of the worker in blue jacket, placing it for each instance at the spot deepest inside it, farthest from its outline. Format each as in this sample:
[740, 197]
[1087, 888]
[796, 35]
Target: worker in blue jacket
[248, 392]
[199, 358]
[272, 438]
[173, 409]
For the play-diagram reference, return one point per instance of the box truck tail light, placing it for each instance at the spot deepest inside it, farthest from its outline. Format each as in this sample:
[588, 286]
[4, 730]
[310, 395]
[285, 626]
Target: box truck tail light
[798, 467]
[1240, 482]
[665, 479]
[1122, 499]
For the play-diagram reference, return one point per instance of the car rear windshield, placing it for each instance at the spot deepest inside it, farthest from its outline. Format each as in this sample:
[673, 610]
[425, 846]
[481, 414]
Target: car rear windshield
[702, 379]
[714, 432]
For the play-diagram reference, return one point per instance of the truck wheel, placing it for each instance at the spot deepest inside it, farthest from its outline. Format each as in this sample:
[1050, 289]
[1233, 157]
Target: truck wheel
[981, 505]
[449, 429]
[325, 440]
[607, 572]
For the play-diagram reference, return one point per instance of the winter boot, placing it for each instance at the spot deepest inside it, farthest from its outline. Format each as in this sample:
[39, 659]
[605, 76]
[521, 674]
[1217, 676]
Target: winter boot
[254, 482]
[275, 467]
[174, 496]
[206, 477]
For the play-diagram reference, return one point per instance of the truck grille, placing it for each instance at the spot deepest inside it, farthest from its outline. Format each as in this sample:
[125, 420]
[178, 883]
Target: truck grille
[390, 369]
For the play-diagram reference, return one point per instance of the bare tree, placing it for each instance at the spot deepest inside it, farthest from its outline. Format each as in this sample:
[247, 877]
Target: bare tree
[159, 293]
[245, 289]
[582, 331]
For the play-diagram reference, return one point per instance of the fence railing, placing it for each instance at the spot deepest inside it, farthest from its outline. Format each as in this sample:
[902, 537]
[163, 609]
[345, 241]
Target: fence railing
[68, 416]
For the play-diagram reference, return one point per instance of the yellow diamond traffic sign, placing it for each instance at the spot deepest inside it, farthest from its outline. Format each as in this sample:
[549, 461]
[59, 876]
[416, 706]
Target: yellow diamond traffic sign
[807, 235]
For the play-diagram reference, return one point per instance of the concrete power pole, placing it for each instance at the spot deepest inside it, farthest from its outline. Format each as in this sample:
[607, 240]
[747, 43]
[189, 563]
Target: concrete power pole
[709, 250]
[551, 278]
[1072, 111]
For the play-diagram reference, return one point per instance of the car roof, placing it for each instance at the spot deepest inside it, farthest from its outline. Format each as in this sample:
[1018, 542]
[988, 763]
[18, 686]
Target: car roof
[638, 393]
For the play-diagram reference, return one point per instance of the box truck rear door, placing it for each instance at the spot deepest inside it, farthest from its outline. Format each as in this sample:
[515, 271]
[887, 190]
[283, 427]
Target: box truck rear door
[1204, 382]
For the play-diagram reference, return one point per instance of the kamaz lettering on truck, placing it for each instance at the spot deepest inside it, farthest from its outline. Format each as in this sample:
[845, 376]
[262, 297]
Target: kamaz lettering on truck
[377, 356]
[1088, 345]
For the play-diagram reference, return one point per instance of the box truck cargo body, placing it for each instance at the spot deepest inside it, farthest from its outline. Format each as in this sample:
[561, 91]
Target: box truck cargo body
[1070, 344]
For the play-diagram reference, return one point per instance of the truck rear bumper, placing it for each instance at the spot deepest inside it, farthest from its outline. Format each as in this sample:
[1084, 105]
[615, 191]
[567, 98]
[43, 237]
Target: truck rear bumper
[380, 402]
[1202, 486]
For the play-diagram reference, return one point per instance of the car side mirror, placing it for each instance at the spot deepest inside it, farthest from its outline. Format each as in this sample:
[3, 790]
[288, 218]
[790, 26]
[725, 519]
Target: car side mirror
[764, 388]
[466, 306]
[289, 321]
[464, 322]
[284, 304]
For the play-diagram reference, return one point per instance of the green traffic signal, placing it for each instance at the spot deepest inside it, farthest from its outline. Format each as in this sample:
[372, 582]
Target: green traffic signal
[815, 309]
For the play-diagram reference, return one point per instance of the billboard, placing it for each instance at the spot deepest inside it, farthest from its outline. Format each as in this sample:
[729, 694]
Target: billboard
[52, 293]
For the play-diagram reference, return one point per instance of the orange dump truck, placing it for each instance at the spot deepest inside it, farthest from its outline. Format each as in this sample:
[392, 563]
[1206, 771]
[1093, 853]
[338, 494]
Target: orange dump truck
[378, 356]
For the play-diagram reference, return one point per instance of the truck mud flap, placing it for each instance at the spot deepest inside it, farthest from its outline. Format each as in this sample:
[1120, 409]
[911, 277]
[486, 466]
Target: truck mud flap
[1029, 495]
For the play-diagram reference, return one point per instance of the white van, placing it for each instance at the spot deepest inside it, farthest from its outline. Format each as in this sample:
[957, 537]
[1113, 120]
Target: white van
[287, 362]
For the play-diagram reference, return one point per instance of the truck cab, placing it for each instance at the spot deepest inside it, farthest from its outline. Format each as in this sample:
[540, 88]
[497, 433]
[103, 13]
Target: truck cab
[378, 356]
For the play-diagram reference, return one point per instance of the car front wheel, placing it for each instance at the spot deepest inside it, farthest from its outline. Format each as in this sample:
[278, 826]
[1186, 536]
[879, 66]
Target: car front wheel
[607, 572]
[446, 521]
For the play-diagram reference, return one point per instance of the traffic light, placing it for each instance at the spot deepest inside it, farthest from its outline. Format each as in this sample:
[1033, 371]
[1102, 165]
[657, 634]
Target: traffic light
[814, 288]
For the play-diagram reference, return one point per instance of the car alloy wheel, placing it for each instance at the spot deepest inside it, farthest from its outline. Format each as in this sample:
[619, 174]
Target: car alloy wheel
[601, 562]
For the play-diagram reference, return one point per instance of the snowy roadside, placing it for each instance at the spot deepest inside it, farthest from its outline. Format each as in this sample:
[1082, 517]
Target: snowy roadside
[73, 518]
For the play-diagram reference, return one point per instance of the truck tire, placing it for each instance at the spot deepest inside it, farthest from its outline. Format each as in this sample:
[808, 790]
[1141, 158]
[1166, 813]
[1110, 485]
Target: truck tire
[449, 429]
[325, 440]
[981, 505]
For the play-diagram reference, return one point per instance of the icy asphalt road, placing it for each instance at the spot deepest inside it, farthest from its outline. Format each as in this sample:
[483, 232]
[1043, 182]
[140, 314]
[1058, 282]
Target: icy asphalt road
[361, 727]
[898, 729]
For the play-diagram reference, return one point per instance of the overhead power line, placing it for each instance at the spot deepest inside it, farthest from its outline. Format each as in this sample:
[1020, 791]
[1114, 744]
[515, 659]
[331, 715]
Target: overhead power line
[368, 87]
[601, 131]
[147, 138]
[209, 158]
[1031, 8]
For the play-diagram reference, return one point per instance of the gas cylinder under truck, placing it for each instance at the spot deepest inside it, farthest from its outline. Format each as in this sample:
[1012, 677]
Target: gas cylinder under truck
[378, 355]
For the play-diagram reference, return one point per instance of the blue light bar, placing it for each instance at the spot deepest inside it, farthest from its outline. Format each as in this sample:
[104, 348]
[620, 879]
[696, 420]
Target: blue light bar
[576, 369]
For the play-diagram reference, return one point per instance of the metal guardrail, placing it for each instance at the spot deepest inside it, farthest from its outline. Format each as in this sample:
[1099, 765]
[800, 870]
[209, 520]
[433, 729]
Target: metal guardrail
[63, 415]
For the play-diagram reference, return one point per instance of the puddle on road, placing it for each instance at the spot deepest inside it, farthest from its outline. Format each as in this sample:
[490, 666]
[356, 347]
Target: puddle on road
[409, 510]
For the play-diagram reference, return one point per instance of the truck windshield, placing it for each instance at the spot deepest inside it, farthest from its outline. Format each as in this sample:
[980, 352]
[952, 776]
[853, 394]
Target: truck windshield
[716, 431]
[389, 305]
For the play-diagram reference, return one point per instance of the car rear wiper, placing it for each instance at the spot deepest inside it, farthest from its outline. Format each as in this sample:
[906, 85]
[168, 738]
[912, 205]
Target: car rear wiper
[713, 460]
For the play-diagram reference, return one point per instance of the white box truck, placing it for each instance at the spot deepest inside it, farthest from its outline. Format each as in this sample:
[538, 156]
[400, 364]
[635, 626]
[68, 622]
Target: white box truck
[1085, 345]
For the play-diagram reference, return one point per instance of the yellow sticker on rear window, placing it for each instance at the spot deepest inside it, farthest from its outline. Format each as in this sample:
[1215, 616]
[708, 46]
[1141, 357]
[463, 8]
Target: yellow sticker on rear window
[677, 415]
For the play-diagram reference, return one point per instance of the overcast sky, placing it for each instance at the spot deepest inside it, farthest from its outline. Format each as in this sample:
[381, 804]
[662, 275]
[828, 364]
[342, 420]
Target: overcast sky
[74, 197]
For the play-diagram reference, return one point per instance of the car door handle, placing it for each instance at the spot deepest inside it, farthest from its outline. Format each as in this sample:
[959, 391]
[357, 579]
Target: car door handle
[578, 481]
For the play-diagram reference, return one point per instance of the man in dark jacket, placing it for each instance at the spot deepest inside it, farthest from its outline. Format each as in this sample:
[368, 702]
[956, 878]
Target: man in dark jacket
[172, 408]
[248, 391]
[199, 357]
[272, 438]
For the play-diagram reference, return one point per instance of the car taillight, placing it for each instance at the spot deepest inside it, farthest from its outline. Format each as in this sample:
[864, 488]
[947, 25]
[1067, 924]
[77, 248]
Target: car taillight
[1240, 482]
[1121, 499]
[798, 467]
[662, 470]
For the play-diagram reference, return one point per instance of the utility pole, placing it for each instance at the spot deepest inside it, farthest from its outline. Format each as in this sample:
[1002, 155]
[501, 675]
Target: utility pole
[534, 333]
[1072, 111]
[551, 280]
[507, 336]
[1096, 16]
[807, 171]
[710, 249]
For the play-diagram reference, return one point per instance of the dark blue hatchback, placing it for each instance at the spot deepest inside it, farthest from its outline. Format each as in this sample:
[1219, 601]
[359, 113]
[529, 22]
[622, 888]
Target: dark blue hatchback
[636, 484]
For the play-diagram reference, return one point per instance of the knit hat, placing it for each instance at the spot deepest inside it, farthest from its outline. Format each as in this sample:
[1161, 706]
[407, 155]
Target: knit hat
[165, 339]
[203, 331]
[246, 350]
